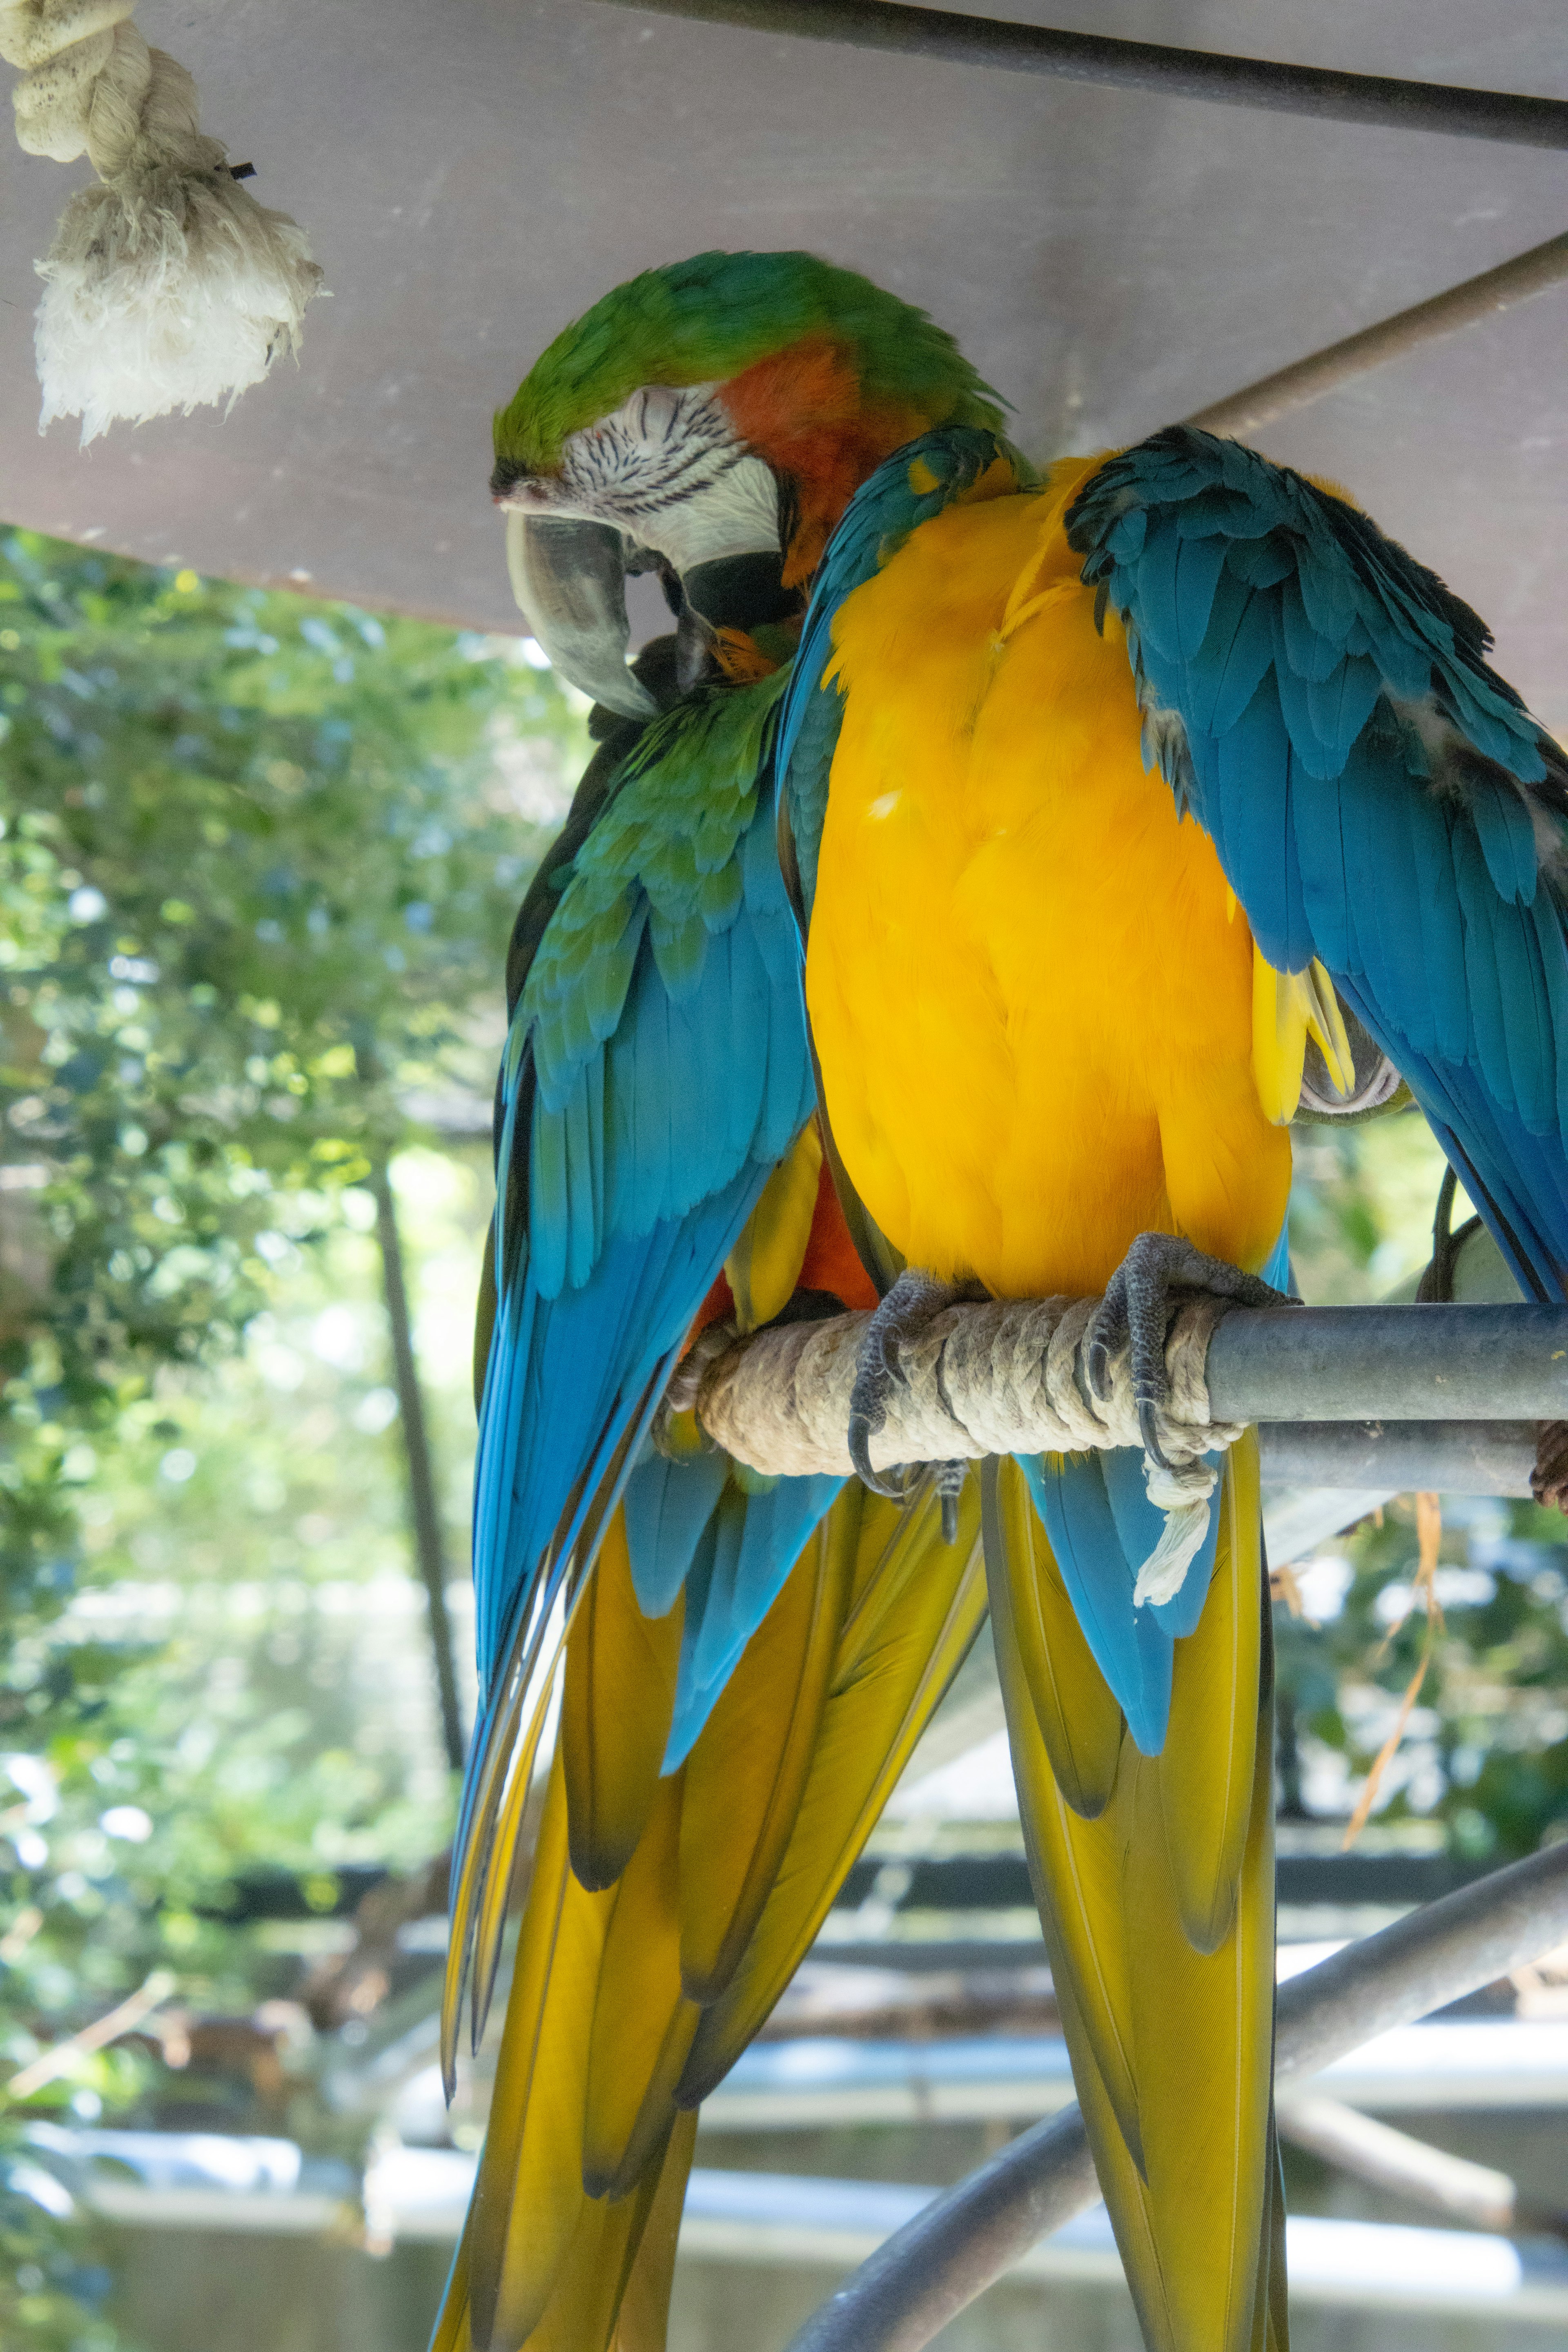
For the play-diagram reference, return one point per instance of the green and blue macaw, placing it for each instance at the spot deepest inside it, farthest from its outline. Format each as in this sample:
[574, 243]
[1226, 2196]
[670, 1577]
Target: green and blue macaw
[750, 1660]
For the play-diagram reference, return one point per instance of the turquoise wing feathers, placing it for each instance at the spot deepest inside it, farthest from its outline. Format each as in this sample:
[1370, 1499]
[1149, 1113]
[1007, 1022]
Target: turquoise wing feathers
[656, 1072]
[1378, 795]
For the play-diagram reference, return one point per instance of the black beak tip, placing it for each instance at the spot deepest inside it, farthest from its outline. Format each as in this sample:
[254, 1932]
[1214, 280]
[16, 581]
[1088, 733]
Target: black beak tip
[505, 478]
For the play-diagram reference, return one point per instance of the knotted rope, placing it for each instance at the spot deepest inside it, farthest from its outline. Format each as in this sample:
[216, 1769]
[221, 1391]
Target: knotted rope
[1004, 1376]
[167, 285]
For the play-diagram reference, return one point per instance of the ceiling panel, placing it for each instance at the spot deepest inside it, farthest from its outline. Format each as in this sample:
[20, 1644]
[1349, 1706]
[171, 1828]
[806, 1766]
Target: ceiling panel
[473, 176]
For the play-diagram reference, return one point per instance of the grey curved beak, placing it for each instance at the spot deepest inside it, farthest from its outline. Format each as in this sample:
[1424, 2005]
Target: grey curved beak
[569, 577]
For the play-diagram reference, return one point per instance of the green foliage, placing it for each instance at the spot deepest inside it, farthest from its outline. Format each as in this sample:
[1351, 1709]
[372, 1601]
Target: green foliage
[258, 858]
[1485, 1752]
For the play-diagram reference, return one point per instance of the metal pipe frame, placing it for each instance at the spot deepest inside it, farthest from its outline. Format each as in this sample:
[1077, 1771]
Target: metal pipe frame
[948, 38]
[1400, 1457]
[957, 2246]
[1247, 412]
[1390, 1363]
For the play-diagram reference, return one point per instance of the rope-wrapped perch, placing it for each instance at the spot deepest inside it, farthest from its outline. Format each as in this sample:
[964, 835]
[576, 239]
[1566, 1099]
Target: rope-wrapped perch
[1004, 1376]
[167, 285]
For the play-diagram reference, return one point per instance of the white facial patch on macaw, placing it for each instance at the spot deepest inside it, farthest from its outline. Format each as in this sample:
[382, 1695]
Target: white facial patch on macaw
[668, 469]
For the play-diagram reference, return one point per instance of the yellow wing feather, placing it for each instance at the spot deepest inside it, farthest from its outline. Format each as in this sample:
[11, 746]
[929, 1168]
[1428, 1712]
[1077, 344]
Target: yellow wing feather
[529, 2195]
[764, 1265]
[643, 2023]
[745, 1776]
[645, 2306]
[820, 1719]
[917, 1607]
[1289, 1007]
[616, 1708]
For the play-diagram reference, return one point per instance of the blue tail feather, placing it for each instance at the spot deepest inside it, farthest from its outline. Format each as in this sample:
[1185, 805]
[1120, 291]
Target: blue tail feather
[738, 1568]
[1132, 1648]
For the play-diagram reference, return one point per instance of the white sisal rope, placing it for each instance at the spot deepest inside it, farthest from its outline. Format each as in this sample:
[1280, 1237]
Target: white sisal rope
[1000, 1377]
[167, 285]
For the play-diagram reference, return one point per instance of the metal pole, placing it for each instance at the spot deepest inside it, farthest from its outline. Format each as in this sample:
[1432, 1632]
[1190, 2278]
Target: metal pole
[949, 38]
[423, 1509]
[1390, 1363]
[1448, 1457]
[935, 2265]
[1247, 412]
[1392, 2159]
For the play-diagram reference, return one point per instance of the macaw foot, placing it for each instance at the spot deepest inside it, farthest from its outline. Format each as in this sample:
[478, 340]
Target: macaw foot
[908, 1308]
[1549, 1479]
[1139, 1299]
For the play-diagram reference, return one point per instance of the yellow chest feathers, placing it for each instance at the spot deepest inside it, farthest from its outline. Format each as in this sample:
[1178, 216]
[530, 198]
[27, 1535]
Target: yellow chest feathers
[1031, 991]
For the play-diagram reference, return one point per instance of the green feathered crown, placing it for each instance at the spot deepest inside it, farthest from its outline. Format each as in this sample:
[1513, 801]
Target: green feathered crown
[706, 320]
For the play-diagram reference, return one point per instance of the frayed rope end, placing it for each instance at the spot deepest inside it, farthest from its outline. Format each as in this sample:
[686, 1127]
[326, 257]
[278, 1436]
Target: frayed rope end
[1164, 1571]
[173, 291]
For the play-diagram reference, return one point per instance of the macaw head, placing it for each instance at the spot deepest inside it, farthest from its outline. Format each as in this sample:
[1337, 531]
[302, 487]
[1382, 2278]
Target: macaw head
[710, 421]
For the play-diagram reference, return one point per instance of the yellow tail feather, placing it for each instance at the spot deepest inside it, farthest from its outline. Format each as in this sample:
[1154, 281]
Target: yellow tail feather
[745, 1775]
[615, 1706]
[1078, 1721]
[916, 1606]
[1207, 1763]
[643, 2023]
[1159, 1916]
[1125, 2191]
[805, 1742]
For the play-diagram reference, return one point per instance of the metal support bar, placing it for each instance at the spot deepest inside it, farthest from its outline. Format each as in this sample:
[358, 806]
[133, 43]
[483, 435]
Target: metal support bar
[1392, 2159]
[932, 2269]
[953, 40]
[1447, 1457]
[1243, 413]
[1390, 1363]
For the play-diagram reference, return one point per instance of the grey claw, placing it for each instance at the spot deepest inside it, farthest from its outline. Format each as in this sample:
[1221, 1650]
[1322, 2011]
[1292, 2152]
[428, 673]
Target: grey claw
[949, 1488]
[1148, 1425]
[1099, 1370]
[914, 1298]
[861, 1432]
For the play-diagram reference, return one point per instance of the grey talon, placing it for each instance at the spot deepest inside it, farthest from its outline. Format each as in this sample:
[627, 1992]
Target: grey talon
[1149, 1424]
[1139, 1300]
[862, 1429]
[950, 1487]
[910, 1303]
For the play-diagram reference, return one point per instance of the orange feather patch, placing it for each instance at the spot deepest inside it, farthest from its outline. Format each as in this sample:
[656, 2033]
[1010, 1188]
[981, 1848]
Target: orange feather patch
[801, 409]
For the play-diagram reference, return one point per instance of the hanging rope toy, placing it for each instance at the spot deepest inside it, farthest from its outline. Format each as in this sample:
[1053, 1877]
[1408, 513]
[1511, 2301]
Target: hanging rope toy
[167, 285]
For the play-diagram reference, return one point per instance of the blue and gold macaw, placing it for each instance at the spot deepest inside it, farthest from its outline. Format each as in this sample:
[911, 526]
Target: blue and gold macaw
[749, 1662]
[1107, 799]
[1108, 793]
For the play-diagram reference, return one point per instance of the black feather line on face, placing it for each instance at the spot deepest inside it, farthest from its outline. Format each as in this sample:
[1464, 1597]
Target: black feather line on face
[631, 474]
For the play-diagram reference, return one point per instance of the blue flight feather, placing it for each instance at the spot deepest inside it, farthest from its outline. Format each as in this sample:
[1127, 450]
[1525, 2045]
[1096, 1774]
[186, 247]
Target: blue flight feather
[1342, 724]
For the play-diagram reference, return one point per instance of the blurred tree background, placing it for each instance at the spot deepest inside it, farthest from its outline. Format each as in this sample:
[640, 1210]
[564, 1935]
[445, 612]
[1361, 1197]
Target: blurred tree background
[1484, 1756]
[258, 860]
